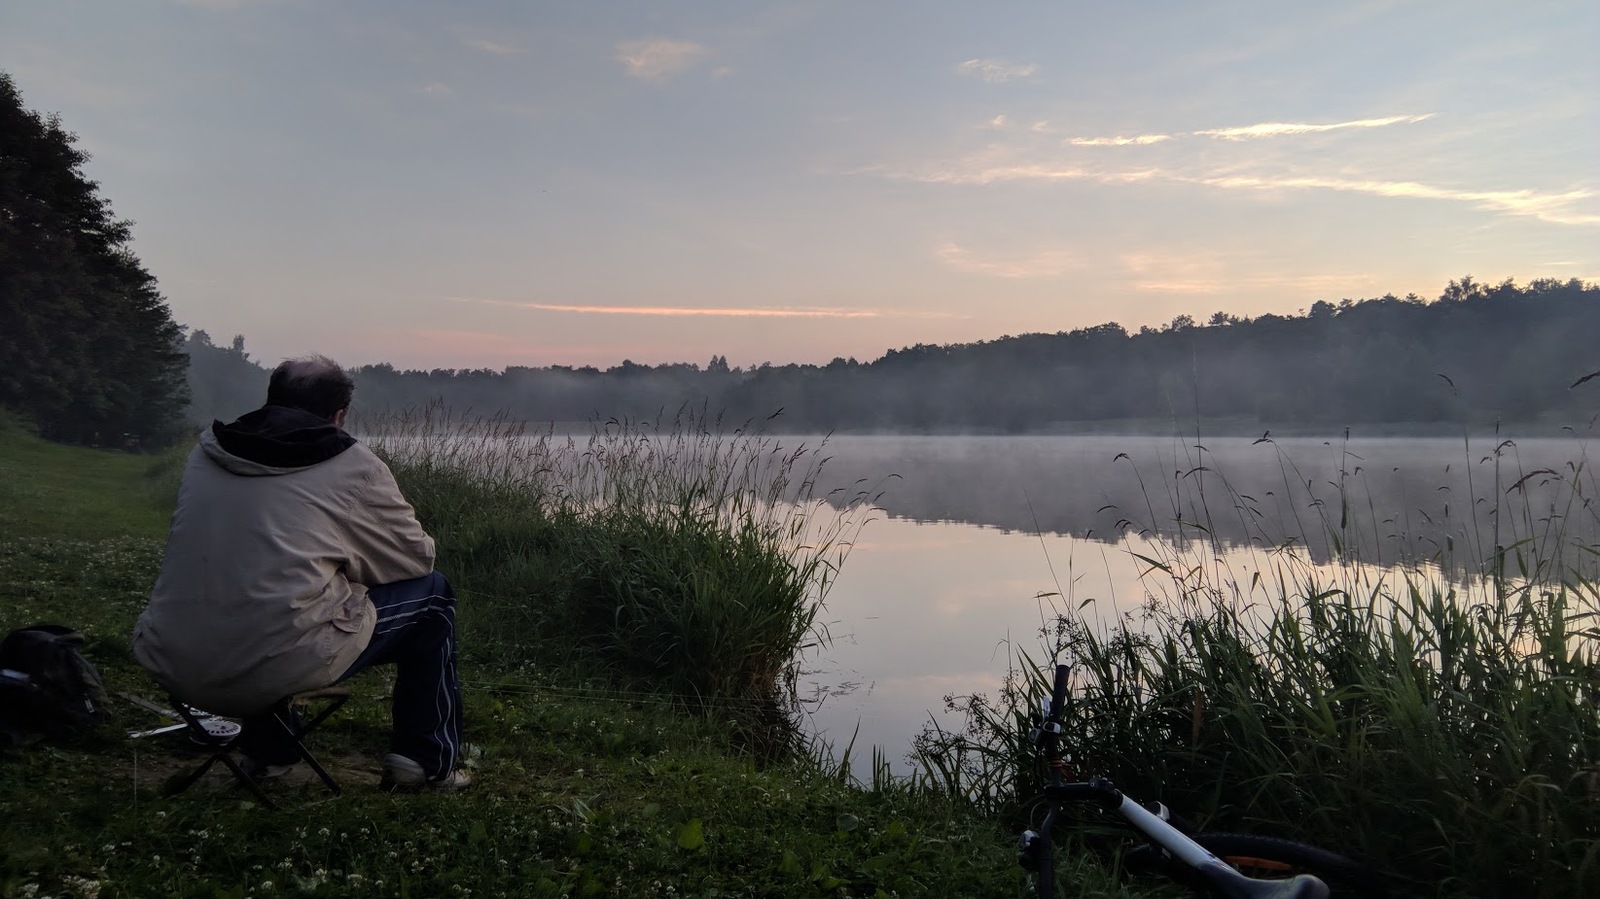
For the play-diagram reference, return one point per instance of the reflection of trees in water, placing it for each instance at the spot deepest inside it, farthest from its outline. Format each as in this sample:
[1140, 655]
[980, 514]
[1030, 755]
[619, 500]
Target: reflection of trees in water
[1379, 500]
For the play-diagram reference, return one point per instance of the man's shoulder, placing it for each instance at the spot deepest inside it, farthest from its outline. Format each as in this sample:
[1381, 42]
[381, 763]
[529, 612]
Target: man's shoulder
[360, 463]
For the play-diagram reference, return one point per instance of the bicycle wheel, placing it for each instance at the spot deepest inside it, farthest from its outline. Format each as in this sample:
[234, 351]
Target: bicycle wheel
[1274, 858]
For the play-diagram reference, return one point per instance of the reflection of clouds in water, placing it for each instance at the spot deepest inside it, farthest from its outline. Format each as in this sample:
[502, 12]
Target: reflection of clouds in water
[892, 712]
[999, 591]
[940, 537]
[921, 611]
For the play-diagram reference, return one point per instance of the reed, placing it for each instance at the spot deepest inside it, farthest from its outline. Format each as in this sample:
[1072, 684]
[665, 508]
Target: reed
[1436, 714]
[682, 555]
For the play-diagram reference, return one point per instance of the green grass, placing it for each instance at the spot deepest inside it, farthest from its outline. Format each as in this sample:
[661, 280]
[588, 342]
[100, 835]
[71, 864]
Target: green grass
[584, 788]
[86, 495]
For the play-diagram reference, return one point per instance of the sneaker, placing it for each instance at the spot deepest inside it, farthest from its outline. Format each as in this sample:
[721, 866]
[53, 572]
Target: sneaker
[401, 774]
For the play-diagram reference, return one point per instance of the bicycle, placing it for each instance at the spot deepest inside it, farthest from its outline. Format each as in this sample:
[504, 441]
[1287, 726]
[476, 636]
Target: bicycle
[1209, 861]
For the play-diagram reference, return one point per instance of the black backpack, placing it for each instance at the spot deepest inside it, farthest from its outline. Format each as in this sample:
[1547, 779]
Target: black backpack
[47, 686]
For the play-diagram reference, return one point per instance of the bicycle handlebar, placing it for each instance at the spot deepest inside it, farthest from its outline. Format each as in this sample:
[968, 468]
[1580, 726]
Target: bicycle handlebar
[1215, 872]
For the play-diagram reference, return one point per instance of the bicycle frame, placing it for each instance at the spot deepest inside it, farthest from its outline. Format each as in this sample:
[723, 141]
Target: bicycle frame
[1038, 849]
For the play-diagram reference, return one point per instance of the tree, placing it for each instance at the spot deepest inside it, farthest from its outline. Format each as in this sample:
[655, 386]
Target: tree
[223, 382]
[91, 352]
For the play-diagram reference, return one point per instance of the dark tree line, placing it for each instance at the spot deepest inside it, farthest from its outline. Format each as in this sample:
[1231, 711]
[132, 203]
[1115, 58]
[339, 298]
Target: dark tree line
[1477, 353]
[223, 381]
[88, 349]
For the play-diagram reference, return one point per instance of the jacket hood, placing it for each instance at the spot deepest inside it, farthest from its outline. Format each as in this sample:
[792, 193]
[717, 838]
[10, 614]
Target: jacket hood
[274, 440]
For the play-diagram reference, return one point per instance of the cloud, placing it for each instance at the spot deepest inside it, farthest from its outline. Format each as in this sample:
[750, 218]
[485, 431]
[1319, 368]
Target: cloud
[653, 59]
[1557, 208]
[998, 164]
[708, 311]
[1044, 264]
[494, 48]
[995, 71]
[982, 172]
[1173, 273]
[1277, 129]
[1209, 274]
[1139, 141]
[1247, 132]
[437, 89]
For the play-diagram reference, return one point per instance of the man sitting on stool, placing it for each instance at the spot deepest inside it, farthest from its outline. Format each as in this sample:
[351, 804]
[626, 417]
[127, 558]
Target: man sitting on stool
[294, 562]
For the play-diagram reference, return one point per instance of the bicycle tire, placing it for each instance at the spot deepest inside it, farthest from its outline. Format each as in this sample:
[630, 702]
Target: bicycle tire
[1276, 857]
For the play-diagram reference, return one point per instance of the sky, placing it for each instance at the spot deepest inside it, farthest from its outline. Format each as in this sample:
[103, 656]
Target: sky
[479, 184]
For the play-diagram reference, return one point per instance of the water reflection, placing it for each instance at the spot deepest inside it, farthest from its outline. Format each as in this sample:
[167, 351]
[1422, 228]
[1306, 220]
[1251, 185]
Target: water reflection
[981, 539]
[1382, 500]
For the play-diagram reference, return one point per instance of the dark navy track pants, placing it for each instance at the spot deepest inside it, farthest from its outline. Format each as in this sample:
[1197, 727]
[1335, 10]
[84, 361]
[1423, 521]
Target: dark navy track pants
[416, 632]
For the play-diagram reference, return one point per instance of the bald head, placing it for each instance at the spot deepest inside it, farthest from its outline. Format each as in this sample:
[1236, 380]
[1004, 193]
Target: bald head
[314, 383]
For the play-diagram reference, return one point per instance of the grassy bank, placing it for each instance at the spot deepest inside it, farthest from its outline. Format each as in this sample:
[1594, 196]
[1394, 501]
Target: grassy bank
[685, 557]
[1437, 719]
[585, 787]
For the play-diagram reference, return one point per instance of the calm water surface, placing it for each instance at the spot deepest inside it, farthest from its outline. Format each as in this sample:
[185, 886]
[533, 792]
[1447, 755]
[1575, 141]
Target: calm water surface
[945, 582]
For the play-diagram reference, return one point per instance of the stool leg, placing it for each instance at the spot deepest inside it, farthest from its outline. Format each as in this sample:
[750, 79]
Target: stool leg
[176, 787]
[244, 777]
[285, 719]
[219, 752]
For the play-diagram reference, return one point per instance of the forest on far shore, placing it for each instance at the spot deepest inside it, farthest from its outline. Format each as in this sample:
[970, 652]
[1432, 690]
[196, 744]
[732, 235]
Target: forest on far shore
[1478, 354]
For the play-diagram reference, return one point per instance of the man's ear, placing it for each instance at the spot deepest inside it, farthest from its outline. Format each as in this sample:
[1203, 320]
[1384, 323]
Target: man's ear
[339, 417]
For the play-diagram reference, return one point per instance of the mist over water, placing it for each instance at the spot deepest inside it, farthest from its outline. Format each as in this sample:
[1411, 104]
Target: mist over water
[979, 540]
[1381, 500]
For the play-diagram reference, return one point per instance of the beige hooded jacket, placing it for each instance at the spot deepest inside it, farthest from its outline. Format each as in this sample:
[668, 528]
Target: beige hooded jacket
[263, 589]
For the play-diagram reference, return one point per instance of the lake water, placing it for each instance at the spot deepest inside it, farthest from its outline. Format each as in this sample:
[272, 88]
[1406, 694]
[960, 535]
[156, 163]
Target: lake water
[944, 583]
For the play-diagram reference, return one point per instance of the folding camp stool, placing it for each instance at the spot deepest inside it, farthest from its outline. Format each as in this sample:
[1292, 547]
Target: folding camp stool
[283, 713]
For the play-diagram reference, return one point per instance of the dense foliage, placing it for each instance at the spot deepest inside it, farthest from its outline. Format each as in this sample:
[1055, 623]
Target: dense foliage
[1477, 353]
[90, 348]
[223, 381]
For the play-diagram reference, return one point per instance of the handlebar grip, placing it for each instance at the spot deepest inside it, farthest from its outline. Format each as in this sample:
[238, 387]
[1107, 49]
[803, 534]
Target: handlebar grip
[1058, 692]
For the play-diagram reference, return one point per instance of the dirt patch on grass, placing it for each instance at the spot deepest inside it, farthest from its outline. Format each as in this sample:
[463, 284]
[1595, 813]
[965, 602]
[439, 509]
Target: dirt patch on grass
[155, 765]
